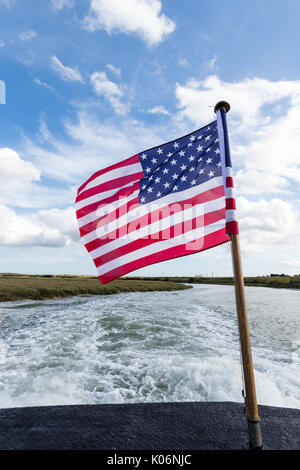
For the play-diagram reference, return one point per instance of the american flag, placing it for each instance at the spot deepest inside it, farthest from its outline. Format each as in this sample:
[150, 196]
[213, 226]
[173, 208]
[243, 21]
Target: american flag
[169, 201]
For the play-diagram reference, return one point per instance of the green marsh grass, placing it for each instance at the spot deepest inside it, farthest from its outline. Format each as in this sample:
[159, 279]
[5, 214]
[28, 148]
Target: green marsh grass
[38, 287]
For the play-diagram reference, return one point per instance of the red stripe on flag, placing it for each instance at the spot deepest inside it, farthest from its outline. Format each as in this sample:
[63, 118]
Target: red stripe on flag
[213, 239]
[128, 161]
[229, 182]
[232, 227]
[230, 204]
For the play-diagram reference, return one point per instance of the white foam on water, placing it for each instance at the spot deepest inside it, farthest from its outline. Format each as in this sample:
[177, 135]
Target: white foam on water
[147, 347]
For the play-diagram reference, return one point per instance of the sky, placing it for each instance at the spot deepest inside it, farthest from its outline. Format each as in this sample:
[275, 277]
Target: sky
[87, 83]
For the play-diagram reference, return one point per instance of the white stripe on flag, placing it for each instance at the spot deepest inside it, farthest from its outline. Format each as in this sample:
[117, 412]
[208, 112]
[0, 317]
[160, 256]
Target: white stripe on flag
[230, 193]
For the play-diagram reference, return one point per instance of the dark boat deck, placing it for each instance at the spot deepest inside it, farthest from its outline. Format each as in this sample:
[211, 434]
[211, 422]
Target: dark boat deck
[147, 426]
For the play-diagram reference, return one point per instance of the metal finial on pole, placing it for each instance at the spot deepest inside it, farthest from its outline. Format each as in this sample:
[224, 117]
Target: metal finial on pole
[254, 431]
[222, 104]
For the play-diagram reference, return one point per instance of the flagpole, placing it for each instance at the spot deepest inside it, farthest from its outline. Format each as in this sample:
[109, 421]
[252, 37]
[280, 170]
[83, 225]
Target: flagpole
[254, 430]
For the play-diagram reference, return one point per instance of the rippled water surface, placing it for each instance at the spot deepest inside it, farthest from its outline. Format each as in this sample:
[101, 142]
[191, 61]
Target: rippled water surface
[155, 346]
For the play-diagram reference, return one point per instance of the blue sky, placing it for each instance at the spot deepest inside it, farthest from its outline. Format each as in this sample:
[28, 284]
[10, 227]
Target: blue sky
[89, 83]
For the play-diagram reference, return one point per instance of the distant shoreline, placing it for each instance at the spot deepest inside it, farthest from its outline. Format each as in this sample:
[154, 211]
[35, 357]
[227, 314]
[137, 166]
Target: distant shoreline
[43, 287]
[278, 282]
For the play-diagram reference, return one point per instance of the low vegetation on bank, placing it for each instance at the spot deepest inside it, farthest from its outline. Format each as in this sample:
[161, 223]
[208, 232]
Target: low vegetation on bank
[274, 280]
[24, 286]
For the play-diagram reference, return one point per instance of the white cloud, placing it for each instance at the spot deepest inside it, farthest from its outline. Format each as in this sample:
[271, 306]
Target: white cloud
[16, 174]
[19, 230]
[212, 62]
[44, 84]
[62, 219]
[21, 184]
[27, 57]
[115, 70]
[159, 110]
[256, 181]
[269, 229]
[102, 86]
[141, 17]
[51, 228]
[27, 35]
[266, 220]
[2, 44]
[273, 155]
[68, 74]
[21, 188]
[60, 4]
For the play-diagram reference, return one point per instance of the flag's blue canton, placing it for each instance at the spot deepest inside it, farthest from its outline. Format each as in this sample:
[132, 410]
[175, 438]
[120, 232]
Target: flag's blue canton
[180, 164]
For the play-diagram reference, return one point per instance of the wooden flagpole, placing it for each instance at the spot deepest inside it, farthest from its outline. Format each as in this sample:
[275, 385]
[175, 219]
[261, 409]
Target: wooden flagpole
[254, 431]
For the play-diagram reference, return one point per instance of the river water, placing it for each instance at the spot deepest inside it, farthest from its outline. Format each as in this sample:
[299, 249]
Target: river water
[148, 347]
